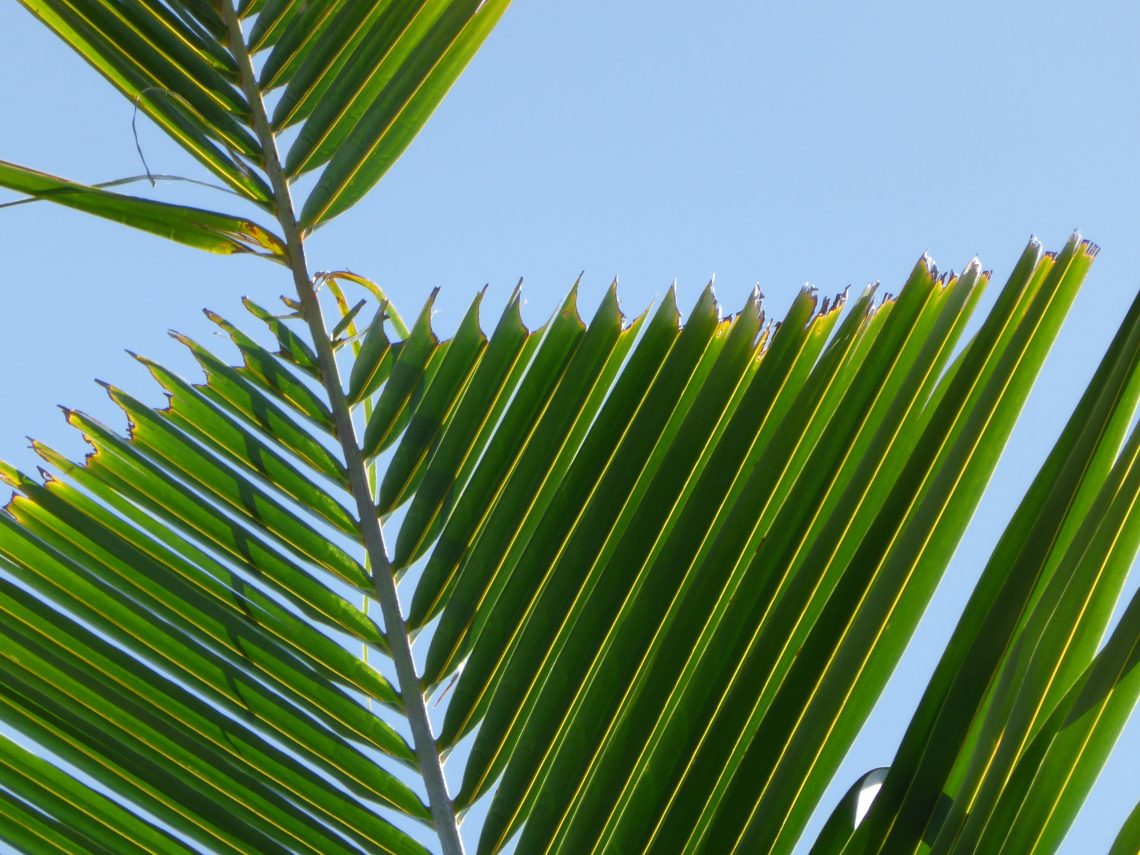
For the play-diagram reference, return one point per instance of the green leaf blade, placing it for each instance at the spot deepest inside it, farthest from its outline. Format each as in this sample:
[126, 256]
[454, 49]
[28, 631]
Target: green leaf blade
[394, 118]
[195, 227]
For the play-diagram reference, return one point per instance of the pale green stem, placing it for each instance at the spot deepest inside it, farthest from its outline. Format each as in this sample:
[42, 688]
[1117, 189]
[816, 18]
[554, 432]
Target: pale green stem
[342, 304]
[383, 577]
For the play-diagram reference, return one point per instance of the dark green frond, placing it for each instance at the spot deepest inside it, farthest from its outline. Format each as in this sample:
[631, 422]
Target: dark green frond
[663, 569]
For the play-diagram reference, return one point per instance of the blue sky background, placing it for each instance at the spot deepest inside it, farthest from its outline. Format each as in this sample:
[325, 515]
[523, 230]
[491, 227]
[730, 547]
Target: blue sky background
[774, 143]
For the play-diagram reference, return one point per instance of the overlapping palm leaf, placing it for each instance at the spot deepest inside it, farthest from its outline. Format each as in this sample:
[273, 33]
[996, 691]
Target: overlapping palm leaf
[659, 572]
[359, 79]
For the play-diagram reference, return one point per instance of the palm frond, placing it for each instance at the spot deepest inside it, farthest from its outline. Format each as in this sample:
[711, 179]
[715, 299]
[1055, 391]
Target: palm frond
[360, 78]
[669, 568]
[192, 226]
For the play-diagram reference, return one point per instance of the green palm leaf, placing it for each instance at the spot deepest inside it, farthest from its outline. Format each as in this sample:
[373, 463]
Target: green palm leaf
[362, 77]
[361, 147]
[192, 226]
[630, 682]
[159, 77]
[661, 570]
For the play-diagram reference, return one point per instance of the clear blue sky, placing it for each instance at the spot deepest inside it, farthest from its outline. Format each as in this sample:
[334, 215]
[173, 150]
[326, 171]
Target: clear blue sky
[775, 143]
